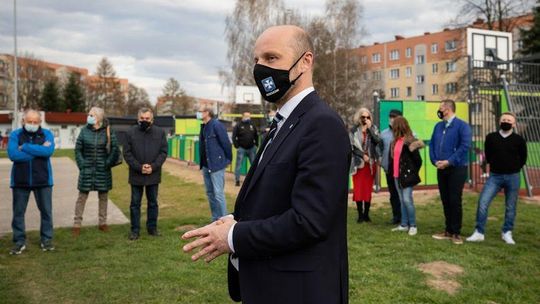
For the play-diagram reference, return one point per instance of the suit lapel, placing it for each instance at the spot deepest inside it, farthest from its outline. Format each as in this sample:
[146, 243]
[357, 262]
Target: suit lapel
[292, 121]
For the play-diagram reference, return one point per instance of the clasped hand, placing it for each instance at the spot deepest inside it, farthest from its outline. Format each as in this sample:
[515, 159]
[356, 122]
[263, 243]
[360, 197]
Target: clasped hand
[210, 239]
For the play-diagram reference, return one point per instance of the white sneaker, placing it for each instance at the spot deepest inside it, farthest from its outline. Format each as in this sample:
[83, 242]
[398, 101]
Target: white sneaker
[476, 237]
[413, 231]
[400, 228]
[507, 237]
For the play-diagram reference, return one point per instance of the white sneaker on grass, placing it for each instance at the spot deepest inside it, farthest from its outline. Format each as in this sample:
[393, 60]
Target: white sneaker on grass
[476, 237]
[413, 231]
[507, 237]
[400, 228]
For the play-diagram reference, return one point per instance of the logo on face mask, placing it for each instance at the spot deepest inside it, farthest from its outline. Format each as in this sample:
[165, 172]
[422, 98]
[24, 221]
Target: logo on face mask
[268, 84]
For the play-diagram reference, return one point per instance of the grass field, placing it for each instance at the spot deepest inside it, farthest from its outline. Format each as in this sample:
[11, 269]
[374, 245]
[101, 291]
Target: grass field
[107, 268]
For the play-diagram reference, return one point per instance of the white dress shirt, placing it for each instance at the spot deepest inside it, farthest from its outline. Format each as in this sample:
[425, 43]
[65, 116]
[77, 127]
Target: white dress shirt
[284, 111]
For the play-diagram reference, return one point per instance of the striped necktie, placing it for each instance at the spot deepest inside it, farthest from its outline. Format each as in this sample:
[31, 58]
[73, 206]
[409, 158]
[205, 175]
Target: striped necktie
[271, 133]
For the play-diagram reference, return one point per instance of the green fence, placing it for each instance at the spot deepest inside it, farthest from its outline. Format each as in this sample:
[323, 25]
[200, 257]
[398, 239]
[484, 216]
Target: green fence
[186, 148]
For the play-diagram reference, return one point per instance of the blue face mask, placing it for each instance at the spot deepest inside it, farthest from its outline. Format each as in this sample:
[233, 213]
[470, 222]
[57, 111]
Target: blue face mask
[31, 128]
[91, 120]
[199, 115]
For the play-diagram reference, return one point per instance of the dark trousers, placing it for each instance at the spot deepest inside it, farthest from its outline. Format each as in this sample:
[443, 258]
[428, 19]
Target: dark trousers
[135, 207]
[451, 181]
[43, 196]
[394, 198]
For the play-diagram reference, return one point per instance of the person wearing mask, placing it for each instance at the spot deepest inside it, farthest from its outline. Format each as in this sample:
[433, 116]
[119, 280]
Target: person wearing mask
[404, 163]
[287, 238]
[364, 141]
[448, 151]
[215, 153]
[387, 137]
[245, 140]
[30, 149]
[96, 151]
[506, 154]
[145, 152]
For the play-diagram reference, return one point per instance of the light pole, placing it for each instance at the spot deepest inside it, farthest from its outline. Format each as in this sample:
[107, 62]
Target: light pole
[15, 121]
[376, 119]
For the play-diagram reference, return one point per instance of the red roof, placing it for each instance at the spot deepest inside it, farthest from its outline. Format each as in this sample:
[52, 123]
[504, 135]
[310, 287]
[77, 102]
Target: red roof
[65, 118]
[5, 118]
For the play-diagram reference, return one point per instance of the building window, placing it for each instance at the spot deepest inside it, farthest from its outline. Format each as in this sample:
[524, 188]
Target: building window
[435, 89]
[450, 66]
[435, 68]
[364, 59]
[409, 91]
[2, 66]
[394, 55]
[408, 52]
[408, 71]
[450, 45]
[420, 59]
[394, 92]
[420, 97]
[376, 58]
[394, 73]
[451, 88]
[420, 79]
[434, 48]
[365, 76]
[377, 75]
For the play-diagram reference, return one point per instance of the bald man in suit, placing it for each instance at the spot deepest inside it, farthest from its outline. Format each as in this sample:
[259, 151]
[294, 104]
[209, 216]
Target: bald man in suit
[287, 237]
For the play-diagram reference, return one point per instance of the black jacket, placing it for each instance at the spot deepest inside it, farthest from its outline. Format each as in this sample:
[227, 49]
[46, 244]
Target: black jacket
[410, 162]
[291, 235]
[145, 147]
[245, 135]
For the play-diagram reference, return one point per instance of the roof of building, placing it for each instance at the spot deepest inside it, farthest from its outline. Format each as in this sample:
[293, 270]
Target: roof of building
[65, 118]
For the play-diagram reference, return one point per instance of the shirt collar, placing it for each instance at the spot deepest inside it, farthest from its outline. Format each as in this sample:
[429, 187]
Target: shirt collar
[450, 120]
[292, 103]
[504, 134]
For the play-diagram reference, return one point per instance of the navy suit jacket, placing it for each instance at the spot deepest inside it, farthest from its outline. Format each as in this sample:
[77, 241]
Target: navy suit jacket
[291, 235]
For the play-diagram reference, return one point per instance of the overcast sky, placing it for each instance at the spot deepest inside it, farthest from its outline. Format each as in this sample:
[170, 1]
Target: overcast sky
[149, 41]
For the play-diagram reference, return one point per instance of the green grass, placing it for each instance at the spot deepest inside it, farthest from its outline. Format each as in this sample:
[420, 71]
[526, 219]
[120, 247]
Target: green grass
[107, 268]
[57, 153]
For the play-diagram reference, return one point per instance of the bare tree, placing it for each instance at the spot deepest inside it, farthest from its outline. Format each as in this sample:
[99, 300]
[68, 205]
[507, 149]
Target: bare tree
[338, 72]
[137, 98]
[248, 20]
[33, 74]
[495, 13]
[105, 90]
[181, 103]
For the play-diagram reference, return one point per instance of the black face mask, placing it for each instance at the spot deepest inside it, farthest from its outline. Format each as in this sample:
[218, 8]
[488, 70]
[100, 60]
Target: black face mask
[506, 126]
[273, 83]
[440, 114]
[144, 125]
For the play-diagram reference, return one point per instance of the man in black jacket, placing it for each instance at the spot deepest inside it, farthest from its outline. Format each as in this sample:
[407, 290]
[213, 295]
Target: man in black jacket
[289, 232]
[245, 139]
[145, 152]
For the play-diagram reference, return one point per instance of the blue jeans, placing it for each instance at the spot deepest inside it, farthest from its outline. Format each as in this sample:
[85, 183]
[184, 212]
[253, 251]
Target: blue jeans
[496, 182]
[215, 184]
[43, 196]
[152, 208]
[408, 212]
[240, 154]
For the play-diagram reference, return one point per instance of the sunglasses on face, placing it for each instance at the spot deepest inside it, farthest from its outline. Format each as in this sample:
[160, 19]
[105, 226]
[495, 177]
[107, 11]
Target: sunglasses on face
[365, 117]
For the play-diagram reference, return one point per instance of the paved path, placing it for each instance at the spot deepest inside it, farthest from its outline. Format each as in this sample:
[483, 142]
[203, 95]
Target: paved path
[65, 194]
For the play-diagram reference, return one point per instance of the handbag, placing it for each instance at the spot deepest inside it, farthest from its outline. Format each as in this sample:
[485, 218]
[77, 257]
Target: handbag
[118, 160]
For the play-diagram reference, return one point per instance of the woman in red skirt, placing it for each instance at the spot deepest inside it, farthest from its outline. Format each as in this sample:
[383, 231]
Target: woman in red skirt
[364, 140]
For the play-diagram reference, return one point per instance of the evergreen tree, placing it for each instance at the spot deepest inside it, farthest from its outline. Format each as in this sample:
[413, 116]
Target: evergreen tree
[73, 95]
[50, 100]
[531, 37]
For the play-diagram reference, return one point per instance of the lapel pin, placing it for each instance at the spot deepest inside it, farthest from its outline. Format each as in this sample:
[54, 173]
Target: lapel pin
[290, 127]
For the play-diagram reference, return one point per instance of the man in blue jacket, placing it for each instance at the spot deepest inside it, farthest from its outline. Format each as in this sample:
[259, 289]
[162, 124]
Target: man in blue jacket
[30, 149]
[215, 154]
[448, 151]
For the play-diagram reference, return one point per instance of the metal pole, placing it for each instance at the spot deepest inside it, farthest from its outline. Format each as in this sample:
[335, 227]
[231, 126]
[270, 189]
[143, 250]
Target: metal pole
[15, 121]
[511, 108]
[472, 177]
[376, 119]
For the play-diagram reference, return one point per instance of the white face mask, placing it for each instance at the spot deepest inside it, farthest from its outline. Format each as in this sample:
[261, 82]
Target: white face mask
[31, 128]
[199, 115]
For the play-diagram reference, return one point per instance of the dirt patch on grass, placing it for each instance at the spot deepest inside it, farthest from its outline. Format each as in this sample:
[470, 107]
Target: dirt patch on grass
[442, 276]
